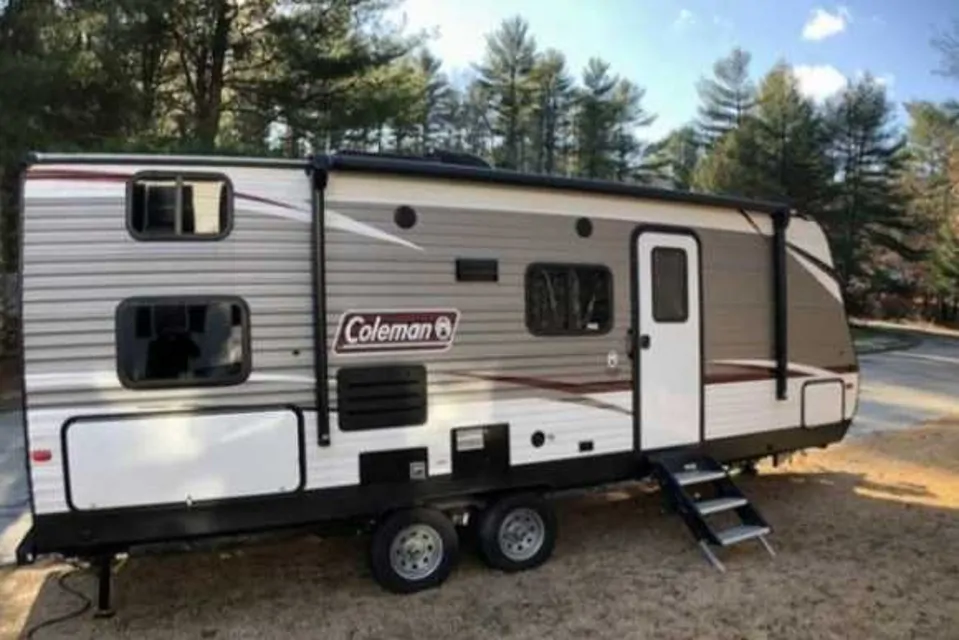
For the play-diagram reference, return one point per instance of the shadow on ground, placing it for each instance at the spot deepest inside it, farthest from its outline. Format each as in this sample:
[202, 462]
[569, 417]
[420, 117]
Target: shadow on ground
[857, 559]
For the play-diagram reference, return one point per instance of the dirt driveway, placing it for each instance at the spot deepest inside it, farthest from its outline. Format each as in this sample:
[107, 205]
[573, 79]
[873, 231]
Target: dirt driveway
[867, 535]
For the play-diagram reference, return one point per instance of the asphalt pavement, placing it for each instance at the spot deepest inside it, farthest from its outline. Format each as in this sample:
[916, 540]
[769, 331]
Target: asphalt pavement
[903, 388]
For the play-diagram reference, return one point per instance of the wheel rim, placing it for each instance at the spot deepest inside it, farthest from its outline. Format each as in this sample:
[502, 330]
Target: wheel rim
[521, 535]
[416, 552]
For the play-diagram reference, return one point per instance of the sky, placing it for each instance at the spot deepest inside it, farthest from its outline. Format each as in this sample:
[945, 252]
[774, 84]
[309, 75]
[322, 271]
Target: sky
[666, 46]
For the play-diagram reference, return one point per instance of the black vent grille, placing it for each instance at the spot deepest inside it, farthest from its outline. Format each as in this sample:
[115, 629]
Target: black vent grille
[477, 270]
[380, 397]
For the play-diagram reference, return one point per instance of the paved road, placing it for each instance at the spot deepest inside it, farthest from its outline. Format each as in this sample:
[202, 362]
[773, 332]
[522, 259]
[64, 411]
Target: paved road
[900, 389]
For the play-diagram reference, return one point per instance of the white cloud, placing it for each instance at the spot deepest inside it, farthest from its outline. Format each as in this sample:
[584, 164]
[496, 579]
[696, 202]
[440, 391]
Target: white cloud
[686, 18]
[822, 24]
[819, 82]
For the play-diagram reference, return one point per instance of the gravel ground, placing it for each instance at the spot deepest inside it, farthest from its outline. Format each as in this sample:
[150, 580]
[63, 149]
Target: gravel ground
[866, 535]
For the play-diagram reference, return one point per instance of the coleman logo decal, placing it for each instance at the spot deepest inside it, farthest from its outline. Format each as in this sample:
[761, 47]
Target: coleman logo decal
[390, 331]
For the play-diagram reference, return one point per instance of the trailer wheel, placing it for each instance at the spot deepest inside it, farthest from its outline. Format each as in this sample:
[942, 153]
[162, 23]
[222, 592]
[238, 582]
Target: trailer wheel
[517, 532]
[412, 550]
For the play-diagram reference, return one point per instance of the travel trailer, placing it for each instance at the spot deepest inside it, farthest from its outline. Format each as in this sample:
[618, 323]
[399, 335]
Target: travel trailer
[217, 346]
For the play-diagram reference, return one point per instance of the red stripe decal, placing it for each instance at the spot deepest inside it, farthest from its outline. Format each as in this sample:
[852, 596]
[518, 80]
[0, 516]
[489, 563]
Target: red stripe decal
[845, 368]
[752, 373]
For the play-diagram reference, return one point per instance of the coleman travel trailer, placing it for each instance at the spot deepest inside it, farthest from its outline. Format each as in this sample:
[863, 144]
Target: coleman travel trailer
[217, 346]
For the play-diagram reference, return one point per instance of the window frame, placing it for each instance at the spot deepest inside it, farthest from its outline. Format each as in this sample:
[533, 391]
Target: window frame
[185, 176]
[604, 329]
[141, 385]
[685, 292]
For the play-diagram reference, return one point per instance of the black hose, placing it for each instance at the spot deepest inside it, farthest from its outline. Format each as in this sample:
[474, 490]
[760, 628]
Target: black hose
[86, 603]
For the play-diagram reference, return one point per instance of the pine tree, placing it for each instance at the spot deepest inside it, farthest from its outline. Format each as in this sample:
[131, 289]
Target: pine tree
[505, 78]
[867, 217]
[932, 186]
[730, 166]
[406, 87]
[676, 157]
[779, 152]
[435, 91]
[451, 115]
[791, 163]
[320, 59]
[596, 116]
[632, 158]
[551, 110]
[727, 98]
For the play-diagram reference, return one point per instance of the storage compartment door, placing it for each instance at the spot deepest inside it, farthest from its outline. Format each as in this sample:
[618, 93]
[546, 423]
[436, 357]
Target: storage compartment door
[823, 402]
[140, 460]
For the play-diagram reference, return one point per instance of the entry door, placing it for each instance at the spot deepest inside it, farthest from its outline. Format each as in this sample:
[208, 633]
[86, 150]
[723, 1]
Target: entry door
[668, 340]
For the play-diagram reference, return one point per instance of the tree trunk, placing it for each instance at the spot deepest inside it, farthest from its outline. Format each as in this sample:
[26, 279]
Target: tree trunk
[210, 76]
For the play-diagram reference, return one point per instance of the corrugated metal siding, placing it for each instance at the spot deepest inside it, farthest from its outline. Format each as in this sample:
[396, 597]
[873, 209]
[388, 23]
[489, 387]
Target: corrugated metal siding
[492, 336]
[80, 263]
[737, 296]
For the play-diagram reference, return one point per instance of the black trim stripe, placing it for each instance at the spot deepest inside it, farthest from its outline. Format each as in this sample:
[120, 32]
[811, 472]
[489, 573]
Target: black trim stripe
[318, 182]
[822, 266]
[752, 223]
[379, 164]
[780, 277]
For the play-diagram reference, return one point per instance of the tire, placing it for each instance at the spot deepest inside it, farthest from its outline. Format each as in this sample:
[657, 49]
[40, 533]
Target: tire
[533, 536]
[403, 553]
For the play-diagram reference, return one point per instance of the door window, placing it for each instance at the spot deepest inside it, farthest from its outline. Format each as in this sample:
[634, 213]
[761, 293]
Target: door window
[670, 285]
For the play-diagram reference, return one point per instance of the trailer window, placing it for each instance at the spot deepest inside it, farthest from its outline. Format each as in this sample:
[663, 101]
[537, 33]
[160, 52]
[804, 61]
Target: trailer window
[568, 299]
[182, 342]
[670, 285]
[179, 207]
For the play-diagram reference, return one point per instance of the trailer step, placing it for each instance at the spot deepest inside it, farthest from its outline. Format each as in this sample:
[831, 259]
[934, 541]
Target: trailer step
[687, 478]
[718, 505]
[741, 533]
[675, 471]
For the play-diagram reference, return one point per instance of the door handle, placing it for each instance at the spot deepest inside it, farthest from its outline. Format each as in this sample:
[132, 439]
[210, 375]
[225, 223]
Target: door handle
[644, 341]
